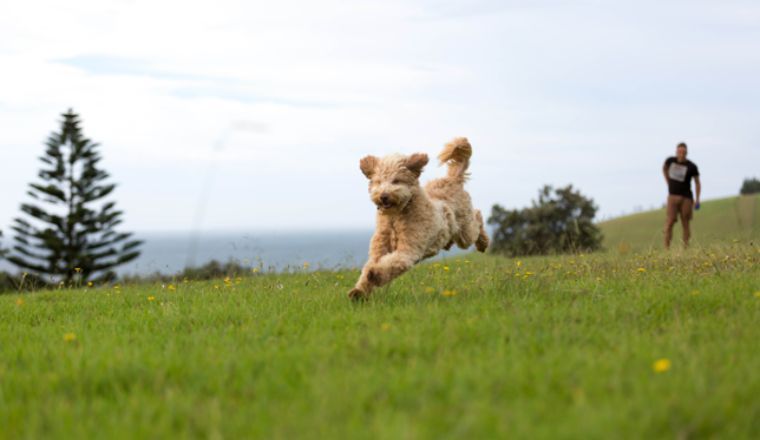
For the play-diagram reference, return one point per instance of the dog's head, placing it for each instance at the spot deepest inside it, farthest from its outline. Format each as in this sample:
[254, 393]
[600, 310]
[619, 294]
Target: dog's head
[393, 179]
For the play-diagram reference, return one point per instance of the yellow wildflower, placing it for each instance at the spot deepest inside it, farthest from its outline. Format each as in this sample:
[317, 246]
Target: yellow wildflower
[641, 270]
[385, 327]
[757, 294]
[89, 284]
[151, 298]
[446, 268]
[69, 337]
[449, 293]
[518, 263]
[306, 265]
[661, 365]
[77, 269]
[20, 302]
[255, 270]
[429, 290]
[171, 287]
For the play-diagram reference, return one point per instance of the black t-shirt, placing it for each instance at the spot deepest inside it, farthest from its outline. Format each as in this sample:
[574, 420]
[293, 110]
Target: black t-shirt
[679, 176]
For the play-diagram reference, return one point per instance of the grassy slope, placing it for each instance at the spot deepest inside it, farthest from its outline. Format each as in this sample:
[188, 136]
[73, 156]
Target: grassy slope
[550, 347]
[733, 218]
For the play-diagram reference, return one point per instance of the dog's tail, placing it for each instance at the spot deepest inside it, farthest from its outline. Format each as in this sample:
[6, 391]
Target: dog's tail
[456, 154]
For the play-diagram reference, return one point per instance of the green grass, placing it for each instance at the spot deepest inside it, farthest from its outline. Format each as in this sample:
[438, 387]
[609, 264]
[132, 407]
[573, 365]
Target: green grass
[721, 220]
[478, 347]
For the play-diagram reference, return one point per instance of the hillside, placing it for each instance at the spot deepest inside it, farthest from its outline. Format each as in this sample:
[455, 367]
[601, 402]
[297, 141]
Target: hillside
[590, 346]
[720, 220]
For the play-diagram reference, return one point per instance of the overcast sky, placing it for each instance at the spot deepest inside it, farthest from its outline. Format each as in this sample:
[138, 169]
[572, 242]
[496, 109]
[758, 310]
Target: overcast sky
[264, 108]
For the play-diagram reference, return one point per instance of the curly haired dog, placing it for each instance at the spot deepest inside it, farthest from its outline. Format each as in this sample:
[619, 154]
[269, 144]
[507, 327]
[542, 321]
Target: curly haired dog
[415, 223]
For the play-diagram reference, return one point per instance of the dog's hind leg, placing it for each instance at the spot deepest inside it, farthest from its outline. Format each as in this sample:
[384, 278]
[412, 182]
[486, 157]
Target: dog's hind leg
[481, 243]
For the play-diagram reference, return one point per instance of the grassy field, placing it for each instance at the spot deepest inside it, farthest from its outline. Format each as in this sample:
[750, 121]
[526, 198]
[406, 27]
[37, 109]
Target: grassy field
[658, 345]
[721, 220]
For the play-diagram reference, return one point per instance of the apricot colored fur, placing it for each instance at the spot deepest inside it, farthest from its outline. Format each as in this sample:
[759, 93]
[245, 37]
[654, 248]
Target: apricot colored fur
[415, 223]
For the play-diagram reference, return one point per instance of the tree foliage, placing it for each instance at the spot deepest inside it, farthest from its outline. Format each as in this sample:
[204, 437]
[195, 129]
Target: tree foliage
[68, 230]
[2, 251]
[750, 186]
[559, 221]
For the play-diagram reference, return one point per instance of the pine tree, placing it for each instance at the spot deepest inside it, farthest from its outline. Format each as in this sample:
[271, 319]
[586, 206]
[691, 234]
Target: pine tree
[2, 251]
[75, 238]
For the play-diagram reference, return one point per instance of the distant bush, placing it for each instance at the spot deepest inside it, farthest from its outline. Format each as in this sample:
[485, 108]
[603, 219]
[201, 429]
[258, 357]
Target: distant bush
[209, 271]
[10, 283]
[560, 221]
[750, 186]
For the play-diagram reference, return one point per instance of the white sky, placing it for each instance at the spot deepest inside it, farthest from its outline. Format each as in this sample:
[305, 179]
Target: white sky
[278, 101]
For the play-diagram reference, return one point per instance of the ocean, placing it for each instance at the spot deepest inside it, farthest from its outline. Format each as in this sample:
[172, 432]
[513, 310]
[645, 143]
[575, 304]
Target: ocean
[170, 252]
[272, 250]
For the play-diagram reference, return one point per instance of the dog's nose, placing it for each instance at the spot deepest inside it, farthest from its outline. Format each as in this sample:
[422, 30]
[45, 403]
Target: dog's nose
[384, 198]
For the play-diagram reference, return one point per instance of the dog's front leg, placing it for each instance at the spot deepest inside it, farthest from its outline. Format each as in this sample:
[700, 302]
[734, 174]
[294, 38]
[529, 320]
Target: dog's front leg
[379, 246]
[391, 266]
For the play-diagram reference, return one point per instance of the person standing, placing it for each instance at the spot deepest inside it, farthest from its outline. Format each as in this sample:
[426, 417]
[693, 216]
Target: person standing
[678, 172]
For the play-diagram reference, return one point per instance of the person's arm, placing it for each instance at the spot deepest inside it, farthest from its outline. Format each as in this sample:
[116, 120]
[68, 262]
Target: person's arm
[665, 172]
[698, 187]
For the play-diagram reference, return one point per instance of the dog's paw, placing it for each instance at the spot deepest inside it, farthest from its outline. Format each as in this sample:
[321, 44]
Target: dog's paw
[375, 277]
[481, 244]
[357, 295]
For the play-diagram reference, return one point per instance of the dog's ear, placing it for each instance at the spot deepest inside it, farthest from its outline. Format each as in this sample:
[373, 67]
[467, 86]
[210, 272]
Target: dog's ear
[416, 162]
[368, 165]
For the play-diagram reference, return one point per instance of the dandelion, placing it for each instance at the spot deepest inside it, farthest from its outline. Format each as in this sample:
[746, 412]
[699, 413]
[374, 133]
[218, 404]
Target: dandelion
[429, 290]
[661, 365]
[151, 298]
[446, 268]
[757, 294]
[641, 270]
[694, 292]
[385, 327]
[19, 302]
[69, 337]
[171, 288]
[518, 263]
[449, 293]
[89, 284]
[227, 282]
[255, 270]
[77, 269]
[116, 287]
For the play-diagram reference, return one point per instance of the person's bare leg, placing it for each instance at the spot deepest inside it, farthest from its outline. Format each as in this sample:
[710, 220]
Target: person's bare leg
[685, 221]
[670, 220]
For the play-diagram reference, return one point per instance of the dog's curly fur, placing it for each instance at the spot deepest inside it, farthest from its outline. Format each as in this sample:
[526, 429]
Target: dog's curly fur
[415, 223]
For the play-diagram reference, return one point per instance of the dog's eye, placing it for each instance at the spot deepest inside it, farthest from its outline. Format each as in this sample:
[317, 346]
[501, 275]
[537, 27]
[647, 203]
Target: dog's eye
[396, 181]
